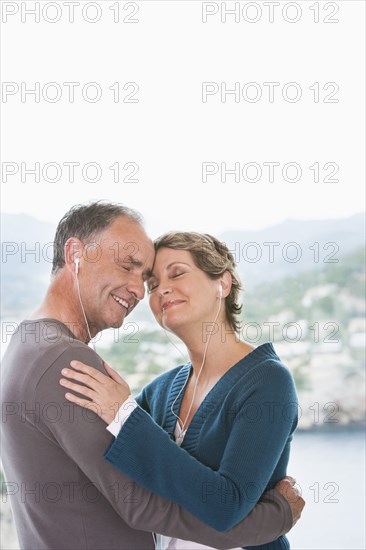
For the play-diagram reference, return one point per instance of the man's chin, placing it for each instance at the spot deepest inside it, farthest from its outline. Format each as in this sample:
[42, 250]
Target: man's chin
[114, 321]
[117, 323]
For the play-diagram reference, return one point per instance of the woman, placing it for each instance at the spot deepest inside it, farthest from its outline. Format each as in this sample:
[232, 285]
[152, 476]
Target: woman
[232, 408]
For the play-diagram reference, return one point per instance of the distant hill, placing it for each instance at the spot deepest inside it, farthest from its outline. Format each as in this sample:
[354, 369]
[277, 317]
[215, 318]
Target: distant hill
[25, 228]
[26, 261]
[336, 291]
[27, 253]
[26, 245]
[317, 243]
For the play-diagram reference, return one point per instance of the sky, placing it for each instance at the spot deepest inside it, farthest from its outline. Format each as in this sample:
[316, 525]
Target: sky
[200, 119]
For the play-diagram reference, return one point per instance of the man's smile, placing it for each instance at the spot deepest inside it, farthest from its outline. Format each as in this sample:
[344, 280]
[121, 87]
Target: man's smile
[122, 302]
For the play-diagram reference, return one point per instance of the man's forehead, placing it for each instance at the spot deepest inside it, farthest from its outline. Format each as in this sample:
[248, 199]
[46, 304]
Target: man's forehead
[136, 252]
[123, 226]
[125, 233]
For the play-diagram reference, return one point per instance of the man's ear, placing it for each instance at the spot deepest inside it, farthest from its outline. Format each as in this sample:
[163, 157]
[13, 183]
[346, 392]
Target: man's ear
[73, 251]
[226, 283]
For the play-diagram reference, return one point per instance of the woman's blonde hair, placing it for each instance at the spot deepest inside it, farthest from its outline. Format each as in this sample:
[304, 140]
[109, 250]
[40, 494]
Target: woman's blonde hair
[212, 257]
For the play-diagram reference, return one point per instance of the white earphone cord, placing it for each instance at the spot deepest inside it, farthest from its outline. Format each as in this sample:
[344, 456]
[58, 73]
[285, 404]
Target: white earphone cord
[199, 374]
[172, 343]
[82, 308]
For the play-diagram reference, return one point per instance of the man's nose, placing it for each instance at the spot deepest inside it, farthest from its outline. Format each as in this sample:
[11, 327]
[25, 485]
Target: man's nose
[136, 287]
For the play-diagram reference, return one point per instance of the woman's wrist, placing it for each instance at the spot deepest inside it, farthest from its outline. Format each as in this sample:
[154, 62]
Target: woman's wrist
[122, 415]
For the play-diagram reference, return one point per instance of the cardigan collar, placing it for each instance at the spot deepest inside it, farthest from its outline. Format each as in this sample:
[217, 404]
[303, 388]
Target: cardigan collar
[216, 394]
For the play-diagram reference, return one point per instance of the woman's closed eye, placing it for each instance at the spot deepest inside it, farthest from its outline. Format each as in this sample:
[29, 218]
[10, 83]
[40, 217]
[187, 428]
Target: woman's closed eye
[154, 284]
[177, 274]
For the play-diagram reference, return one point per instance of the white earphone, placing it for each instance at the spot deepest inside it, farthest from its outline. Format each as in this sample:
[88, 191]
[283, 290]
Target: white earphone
[76, 261]
[220, 290]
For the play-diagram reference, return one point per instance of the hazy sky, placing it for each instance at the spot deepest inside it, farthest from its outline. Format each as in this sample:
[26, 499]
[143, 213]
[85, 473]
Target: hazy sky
[145, 94]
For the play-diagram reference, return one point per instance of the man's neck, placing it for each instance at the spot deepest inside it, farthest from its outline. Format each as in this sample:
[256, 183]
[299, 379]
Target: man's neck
[67, 311]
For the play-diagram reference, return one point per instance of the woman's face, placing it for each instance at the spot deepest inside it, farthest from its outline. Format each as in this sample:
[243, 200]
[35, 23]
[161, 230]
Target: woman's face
[181, 294]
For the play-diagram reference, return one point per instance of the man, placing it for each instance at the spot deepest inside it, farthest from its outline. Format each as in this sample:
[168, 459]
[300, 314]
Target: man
[65, 496]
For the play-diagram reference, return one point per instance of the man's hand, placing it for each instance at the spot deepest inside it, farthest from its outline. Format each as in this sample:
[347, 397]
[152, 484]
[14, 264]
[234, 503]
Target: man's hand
[105, 393]
[287, 489]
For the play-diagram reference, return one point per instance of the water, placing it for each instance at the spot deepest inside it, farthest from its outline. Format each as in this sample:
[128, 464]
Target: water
[330, 469]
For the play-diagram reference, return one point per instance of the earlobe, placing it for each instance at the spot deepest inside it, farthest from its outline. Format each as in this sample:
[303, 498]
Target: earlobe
[72, 254]
[225, 284]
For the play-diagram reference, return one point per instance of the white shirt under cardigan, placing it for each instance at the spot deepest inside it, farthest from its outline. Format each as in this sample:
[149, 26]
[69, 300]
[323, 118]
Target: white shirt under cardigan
[162, 542]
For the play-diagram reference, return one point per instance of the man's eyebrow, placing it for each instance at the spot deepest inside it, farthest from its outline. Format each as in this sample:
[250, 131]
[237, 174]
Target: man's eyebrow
[147, 273]
[131, 260]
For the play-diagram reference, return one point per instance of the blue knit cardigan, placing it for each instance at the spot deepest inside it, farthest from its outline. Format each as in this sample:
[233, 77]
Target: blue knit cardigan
[236, 446]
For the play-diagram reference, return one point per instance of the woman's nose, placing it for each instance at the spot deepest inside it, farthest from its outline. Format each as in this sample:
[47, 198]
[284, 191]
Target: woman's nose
[164, 289]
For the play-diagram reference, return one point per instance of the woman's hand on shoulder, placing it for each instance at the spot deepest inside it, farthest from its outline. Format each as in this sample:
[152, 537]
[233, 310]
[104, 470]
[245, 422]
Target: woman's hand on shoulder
[105, 394]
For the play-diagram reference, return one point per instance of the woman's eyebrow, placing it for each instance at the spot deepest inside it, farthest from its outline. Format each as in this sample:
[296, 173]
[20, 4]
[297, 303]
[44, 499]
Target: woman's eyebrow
[176, 262]
[150, 273]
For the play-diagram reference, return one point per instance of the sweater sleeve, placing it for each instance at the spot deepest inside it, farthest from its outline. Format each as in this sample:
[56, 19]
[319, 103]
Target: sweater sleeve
[83, 438]
[254, 447]
[142, 401]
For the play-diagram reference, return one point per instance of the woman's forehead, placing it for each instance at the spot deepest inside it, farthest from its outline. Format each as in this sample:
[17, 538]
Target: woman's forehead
[165, 257]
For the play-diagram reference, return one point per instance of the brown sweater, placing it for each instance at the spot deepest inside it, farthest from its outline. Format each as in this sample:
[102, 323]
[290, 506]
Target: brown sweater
[64, 494]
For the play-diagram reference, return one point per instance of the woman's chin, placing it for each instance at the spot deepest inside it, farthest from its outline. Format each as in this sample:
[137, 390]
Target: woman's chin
[166, 325]
[171, 324]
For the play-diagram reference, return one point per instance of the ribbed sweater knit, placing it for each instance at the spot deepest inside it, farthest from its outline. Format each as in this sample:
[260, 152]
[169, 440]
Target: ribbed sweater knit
[236, 446]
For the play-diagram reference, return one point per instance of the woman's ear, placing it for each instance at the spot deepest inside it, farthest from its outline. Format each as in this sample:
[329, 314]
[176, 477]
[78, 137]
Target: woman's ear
[226, 283]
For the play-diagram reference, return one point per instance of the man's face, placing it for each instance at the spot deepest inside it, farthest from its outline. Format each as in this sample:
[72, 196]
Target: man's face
[112, 273]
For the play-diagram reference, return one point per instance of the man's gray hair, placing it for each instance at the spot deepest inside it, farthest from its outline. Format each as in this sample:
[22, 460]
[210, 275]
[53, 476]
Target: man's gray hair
[86, 221]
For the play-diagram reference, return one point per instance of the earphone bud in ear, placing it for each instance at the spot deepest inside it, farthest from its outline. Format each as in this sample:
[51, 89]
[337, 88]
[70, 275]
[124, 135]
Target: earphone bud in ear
[76, 261]
[220, 290]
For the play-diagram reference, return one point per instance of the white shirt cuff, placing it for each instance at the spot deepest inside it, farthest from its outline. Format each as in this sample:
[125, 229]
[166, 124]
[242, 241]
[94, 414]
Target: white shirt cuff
[122, 415]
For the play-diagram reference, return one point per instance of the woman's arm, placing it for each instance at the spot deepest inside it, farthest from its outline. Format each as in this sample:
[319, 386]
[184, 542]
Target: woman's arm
[220, 498]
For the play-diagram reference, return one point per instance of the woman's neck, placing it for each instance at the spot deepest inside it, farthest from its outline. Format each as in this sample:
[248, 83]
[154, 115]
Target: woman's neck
[218, 355]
